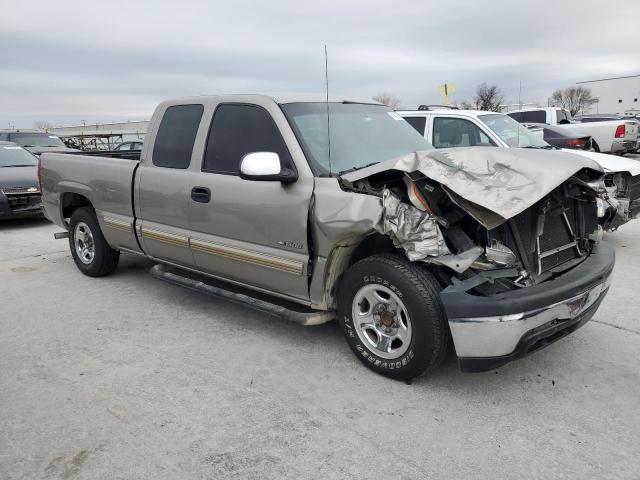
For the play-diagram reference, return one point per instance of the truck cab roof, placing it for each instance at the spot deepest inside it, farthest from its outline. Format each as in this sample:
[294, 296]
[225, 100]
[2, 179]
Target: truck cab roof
[279, 98]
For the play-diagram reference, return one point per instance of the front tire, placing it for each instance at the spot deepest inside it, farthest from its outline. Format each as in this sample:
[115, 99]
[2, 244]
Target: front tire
[91, 253]
[392, 317]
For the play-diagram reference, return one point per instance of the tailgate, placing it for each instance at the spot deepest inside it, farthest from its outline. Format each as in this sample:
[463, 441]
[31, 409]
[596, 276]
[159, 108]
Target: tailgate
[631, 131]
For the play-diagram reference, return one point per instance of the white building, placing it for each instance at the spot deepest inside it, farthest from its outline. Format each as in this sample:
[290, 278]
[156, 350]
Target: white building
[615, 95]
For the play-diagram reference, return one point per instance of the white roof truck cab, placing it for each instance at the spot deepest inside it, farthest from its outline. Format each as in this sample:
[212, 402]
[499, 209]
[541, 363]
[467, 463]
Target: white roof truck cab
[614, 136]
[312, 210]
[450, 128]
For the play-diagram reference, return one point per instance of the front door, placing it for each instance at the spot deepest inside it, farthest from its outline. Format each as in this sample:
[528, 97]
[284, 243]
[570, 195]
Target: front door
[252, 232]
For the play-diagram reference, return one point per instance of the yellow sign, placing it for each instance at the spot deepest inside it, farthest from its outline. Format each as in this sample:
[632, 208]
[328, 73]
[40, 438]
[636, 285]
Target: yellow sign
[445, 90]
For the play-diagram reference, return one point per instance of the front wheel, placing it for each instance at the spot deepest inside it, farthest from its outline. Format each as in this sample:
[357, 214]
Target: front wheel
[91, 253]
[392, 317]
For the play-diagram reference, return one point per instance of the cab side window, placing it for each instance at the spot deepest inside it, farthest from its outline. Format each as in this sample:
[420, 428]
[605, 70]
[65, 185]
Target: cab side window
[458, 132]
[418, 123]
[237, 130]
[175, 137]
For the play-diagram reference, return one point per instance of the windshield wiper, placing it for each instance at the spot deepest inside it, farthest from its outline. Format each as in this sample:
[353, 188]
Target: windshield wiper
[353, 169]
[536, 147]
[3, 166]
[27, 146]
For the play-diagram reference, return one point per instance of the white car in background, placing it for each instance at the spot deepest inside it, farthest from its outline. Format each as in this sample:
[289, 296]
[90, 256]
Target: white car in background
[612, 136]
[451, 128]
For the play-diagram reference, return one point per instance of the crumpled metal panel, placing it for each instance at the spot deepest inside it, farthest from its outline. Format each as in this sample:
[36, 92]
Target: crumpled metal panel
[460, 262]
[341, 217]
[505, 181]
[418, 234]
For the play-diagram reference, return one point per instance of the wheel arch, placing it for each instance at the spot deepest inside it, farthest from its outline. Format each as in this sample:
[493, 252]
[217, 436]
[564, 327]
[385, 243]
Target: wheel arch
[70, 202]
[345, 255]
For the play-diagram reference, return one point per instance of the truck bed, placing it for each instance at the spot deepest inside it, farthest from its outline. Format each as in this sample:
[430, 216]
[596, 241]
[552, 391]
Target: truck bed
[104, 181]
[126, 154]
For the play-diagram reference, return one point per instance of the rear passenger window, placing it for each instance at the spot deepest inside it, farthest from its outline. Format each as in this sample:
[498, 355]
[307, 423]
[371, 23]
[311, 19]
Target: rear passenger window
[175, 137]
[237, 130]
[418, 123]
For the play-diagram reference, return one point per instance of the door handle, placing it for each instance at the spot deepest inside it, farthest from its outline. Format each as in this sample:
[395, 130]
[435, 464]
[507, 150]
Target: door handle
[200, 194]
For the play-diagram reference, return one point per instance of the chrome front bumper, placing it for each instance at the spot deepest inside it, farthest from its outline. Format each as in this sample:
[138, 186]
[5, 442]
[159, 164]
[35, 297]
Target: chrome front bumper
[500, 336]
[489, 331]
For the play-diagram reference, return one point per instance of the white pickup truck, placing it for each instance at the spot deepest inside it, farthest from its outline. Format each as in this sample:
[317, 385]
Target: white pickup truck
[616, 136]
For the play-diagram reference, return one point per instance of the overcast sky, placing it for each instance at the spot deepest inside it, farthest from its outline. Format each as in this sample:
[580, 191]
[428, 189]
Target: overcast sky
[67, 61]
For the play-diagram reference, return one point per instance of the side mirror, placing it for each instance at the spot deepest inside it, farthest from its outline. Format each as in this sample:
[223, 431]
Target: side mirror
[265, 166]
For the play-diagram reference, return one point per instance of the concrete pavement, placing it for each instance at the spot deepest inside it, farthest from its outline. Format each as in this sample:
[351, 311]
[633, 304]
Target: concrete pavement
[127, 377]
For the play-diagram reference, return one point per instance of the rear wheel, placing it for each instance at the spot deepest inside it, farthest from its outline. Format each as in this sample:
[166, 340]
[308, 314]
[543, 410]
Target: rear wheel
[390, 312]
[91, 253]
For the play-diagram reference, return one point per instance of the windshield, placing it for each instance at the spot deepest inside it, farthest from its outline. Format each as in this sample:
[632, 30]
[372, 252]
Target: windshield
[35, 140]
[513, 133]
[12, 156]
[361, 135]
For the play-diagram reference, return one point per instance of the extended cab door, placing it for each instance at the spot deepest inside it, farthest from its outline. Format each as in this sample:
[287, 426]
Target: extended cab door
[251, 232]
[163, 184]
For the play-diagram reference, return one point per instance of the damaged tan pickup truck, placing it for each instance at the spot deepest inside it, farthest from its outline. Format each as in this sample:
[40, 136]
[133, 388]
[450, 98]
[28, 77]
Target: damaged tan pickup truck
[313, 210]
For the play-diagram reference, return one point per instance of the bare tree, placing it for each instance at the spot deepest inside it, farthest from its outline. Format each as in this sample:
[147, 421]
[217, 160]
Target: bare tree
[387, 99]
[574, 99]
[42, 125]
[488, 97]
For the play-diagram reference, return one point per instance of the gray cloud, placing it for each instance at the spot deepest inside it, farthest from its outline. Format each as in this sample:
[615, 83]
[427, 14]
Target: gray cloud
[64, 62]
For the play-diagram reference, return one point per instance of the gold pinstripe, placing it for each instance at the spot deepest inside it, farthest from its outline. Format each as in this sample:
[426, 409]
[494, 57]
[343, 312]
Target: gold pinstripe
[165, 237]
[277, 263]
[117, 224]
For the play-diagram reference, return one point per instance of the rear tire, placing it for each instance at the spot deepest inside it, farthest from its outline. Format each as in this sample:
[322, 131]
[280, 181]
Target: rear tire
[392, 317]
[90, 251]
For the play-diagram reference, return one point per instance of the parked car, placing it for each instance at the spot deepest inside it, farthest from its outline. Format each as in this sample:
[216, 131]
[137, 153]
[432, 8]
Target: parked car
[617, 136]
[561, 137]
[35, 141]
[125, 146]
[464, 128]
[19, 188]
[404, 244]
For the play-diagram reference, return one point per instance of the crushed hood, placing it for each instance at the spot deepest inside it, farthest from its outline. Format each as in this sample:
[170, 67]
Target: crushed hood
[505, 181]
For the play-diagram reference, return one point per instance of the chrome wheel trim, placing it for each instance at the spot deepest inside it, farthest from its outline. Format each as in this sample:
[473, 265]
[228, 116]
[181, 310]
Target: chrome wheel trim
[381, 321]
[83, 242]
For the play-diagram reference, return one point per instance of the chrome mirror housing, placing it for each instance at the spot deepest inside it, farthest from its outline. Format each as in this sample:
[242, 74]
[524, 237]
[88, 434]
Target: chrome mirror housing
[265, 166]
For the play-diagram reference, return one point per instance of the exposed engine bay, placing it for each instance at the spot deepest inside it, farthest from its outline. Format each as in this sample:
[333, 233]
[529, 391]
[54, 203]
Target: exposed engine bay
[487, 251]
